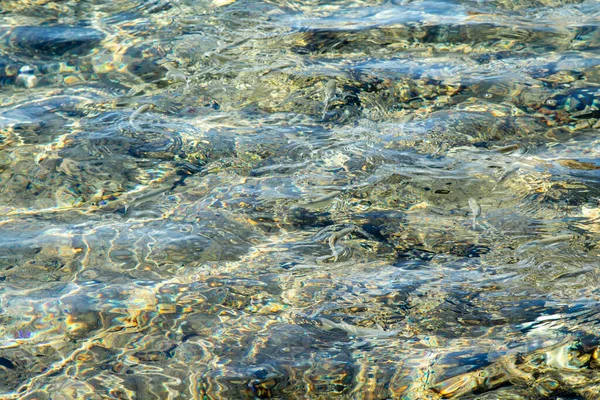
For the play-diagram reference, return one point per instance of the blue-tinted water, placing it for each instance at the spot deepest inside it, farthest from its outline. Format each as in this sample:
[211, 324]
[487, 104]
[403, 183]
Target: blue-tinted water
[234, 199]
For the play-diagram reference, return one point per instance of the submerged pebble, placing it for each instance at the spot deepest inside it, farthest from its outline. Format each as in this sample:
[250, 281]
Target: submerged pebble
[55, 40]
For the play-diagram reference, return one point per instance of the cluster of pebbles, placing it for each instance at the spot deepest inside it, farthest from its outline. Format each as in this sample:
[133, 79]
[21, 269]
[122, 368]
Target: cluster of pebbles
[262, 200]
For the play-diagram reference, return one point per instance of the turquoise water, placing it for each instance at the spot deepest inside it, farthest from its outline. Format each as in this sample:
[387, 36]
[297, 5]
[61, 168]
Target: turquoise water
[234, 199]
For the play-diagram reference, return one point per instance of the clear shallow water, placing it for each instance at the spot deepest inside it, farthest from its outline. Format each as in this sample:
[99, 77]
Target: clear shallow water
[244, 199]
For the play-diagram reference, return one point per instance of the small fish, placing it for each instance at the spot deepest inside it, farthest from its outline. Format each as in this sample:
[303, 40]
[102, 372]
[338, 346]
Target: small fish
[330, 89]
[333, 239]
[321, 201]
[217, 53]
[175, 75]
[141, 109]
[551, 240]
[475, 210]
[338, 250]
[278, 68]
[144, 197]
[507, 149]
[507, 174]
[356, 330]
[189, 21]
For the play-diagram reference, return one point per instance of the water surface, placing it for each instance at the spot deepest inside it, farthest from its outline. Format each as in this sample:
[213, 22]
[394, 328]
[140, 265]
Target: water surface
[239, 199]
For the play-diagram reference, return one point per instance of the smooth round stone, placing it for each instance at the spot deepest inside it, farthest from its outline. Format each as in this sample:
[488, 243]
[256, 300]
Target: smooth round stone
[56, 40]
